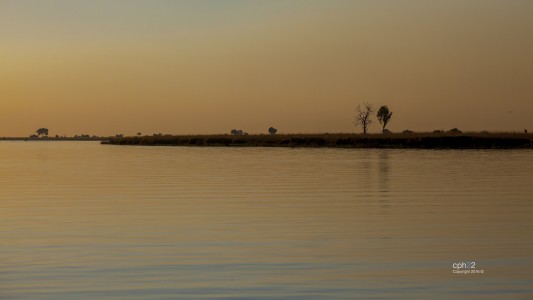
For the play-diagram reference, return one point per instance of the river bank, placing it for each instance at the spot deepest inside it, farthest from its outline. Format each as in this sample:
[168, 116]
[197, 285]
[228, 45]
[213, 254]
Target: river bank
[93, 138]
[393, 140]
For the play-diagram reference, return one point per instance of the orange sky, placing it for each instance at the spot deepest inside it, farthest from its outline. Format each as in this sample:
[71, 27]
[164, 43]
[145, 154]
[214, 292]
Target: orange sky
[106, 67]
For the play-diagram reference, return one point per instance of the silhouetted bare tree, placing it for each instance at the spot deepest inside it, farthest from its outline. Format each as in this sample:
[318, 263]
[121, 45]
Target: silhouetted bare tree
[384, 116]
[363, 116]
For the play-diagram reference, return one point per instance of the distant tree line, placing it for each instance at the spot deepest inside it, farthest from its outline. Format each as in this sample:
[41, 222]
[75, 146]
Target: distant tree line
[271, 131]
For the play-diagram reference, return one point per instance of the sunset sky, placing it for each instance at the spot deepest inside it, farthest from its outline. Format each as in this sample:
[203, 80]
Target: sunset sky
[193, 67]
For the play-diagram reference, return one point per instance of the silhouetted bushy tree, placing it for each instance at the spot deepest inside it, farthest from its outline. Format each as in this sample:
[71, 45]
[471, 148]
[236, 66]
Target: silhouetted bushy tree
[384, 116]
[42, 131]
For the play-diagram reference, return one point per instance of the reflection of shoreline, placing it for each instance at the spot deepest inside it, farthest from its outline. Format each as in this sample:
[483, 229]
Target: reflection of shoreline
[383, 179]
[384, 169]
[401, 141]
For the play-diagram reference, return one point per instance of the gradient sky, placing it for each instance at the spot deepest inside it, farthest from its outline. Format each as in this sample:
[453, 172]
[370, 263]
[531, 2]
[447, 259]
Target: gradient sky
[106, 67]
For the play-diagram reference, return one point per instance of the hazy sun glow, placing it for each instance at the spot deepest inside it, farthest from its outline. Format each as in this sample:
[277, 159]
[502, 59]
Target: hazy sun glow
[106, 67]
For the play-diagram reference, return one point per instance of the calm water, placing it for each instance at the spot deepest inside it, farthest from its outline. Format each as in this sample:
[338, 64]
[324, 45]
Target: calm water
[80, 220]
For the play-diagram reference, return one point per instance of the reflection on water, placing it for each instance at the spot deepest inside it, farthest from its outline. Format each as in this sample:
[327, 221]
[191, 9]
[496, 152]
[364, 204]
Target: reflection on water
[383, 176]
[86, 221]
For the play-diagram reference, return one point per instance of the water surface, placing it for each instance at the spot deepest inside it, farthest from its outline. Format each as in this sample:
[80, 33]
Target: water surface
[80, 220]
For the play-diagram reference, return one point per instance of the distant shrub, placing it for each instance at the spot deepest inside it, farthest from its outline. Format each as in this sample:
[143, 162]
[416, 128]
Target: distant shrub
[237, 132]
[454, 131]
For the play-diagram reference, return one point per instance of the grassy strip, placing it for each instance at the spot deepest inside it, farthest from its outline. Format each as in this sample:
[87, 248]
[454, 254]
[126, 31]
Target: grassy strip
[414, 140]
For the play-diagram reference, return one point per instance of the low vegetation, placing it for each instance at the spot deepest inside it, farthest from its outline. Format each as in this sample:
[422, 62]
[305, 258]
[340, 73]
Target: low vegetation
[435, 140]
